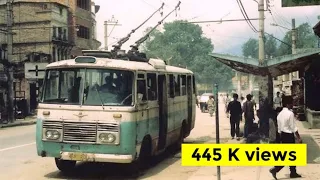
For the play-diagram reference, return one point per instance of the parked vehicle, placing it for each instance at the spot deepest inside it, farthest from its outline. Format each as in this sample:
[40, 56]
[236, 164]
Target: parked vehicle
[203, 101]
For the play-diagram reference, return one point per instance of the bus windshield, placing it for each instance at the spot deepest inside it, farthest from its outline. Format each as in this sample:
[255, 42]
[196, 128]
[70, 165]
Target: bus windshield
[87, 86]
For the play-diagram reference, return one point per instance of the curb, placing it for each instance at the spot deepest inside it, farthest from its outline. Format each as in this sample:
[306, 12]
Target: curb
[18, 124]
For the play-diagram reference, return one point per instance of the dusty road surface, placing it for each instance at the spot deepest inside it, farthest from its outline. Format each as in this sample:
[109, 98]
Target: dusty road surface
[19, 161]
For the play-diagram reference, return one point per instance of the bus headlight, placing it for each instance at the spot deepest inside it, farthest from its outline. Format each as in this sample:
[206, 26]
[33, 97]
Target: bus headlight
[52, 134]
[107, 137]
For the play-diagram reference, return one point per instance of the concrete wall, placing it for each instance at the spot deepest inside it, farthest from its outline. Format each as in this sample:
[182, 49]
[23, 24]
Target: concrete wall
[313, 117]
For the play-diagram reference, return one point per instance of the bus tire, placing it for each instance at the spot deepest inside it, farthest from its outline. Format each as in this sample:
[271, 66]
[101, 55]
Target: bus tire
[144, 159]
[181, 136]
[146, 151]
[65, 165]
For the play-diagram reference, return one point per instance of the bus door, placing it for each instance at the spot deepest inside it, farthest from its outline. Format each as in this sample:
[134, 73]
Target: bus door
[163, 111]
[190, 103]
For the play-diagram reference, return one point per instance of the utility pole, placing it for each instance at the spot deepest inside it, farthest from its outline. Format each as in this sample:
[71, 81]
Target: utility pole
[261, 32]
[8, 67]
[294, 37]
[265, 83]
[113, 22]
[294, 44]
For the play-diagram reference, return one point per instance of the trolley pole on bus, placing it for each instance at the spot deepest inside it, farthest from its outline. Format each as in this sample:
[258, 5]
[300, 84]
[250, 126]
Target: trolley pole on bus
[217, 124]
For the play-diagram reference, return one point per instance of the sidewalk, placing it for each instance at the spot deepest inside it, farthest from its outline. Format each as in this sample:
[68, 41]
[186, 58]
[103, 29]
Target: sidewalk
[309, 172]
[29, 120]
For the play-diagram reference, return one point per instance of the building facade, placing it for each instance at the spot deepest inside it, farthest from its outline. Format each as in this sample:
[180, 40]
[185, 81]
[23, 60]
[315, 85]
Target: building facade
[86, 32]
[44, 32]
[40, 35]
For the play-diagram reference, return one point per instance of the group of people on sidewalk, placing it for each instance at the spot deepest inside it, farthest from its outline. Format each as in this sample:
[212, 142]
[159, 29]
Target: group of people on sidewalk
[277, 124]
[235, 109]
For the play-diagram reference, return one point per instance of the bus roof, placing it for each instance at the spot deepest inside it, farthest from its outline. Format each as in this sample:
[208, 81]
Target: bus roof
[117, 64]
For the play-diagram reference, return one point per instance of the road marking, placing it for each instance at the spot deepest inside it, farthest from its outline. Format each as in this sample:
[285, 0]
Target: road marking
[14, 147]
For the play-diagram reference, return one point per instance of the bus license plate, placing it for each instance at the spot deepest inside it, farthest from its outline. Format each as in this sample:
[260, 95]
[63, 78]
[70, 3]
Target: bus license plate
[78, 156]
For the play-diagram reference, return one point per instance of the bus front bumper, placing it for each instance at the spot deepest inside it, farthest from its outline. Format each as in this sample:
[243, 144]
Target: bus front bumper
[92, 157]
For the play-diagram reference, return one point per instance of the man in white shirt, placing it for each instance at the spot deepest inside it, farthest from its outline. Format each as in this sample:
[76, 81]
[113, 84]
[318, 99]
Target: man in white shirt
[287, 130]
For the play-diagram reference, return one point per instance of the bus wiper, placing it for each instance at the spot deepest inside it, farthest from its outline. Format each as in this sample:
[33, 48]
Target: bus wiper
[99, 97]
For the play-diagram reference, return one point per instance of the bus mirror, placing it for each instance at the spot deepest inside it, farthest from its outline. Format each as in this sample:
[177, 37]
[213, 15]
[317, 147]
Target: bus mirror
[140, 96]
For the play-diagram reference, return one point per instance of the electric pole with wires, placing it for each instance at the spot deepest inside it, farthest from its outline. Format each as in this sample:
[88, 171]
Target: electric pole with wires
[8, 66]
[113, 22]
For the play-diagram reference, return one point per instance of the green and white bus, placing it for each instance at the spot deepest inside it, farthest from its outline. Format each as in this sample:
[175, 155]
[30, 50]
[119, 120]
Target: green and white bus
[112, 110]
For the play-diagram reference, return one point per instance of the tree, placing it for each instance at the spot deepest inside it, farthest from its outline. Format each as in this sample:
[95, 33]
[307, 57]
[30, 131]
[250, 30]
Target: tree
[305, 39]
[270, 46]
[183, 44]
[250, 48]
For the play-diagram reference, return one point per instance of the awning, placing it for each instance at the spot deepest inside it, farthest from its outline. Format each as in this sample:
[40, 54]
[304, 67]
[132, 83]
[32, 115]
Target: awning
[275, 66]
[316, 29]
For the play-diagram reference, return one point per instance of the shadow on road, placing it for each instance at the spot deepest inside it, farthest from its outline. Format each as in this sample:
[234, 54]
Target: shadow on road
[95, 171]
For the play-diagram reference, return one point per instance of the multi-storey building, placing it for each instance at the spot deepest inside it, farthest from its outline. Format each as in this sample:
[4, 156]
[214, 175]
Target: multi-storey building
[84, 18]
[44, 32]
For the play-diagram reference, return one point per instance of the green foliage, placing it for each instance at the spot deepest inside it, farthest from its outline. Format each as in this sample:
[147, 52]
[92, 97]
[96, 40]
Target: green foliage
[270, 46]
[250, 48]
[305, 39]
[183, 44]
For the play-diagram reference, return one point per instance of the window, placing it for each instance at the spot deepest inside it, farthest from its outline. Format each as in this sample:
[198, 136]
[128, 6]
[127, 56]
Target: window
[53, 54]
[141, 87]
[183, 85]
[64, 34]
[60, 10]
[177, 85]
[171, 86]
[44, 6]
[152, 86]
[54, 31]
[60, 32]
[84, 4]
[194, 85]
[86, 86]
[83, 32]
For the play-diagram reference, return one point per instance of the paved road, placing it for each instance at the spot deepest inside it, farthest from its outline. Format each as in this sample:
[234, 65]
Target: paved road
[18, 159]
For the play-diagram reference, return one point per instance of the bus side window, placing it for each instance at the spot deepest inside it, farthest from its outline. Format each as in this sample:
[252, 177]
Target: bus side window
[141, 87]
[152, 86]
[183, 85]
[171, 86]
[194, 84]
[177, 85]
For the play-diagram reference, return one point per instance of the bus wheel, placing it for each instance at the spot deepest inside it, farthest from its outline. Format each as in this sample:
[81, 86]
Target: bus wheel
[144, 159]
[181, 137]
[65, 165]
[145, 152]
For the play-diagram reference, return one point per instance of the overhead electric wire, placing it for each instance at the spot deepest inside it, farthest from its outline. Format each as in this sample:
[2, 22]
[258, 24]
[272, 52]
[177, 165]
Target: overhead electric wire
[135, 47]
[125, 39]
[247, 15]
[113, 28]
[243, 11]
[278, 39]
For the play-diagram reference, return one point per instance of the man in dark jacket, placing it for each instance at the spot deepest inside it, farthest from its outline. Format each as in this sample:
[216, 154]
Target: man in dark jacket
[248, 116]
[235, 110]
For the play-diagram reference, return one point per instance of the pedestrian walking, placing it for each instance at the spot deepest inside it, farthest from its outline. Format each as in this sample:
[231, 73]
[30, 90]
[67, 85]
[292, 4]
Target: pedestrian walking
[211, 105]
[277, 101]
[288, 130]
[226, 103]
[264, 113]
[234, 108]
[248, 112]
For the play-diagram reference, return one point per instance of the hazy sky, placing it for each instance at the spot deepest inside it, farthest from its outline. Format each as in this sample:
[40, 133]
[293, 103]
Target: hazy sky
[226, 36]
